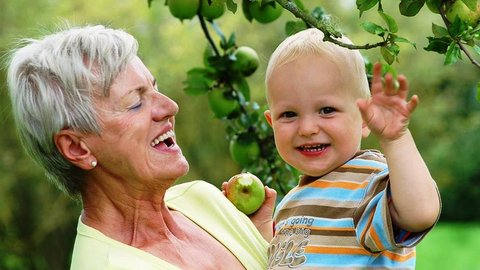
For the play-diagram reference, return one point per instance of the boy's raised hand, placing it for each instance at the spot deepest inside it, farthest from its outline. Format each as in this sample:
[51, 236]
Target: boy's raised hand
[388, 111]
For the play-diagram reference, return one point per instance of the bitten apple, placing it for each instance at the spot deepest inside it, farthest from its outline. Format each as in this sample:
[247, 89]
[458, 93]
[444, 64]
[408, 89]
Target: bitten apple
[246, 192]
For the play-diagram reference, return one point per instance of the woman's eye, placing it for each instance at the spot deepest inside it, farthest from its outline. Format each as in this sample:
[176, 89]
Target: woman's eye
[136, 106]
[327, 110]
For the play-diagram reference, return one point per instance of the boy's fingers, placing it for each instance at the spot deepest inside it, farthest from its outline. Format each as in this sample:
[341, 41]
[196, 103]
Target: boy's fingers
[224, 188]
[377, 84]
[403, 86]
[390, 88]
[270, 193]
[412, 104]
[362, 106]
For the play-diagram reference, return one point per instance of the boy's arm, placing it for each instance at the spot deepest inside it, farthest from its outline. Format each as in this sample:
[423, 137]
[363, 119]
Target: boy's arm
[415, 203]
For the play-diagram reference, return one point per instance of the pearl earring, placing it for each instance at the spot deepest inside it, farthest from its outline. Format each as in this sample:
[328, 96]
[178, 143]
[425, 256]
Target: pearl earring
[94, 163]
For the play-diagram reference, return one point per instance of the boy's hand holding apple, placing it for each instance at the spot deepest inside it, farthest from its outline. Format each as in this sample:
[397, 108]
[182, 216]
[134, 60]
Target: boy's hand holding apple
[254, 199]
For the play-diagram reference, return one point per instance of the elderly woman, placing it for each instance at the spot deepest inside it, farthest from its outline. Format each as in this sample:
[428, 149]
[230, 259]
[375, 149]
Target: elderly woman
[89, 112]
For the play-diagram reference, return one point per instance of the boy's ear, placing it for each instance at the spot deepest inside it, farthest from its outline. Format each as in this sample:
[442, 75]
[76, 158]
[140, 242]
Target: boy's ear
[365, 130]
[268, 116]
[71, 146]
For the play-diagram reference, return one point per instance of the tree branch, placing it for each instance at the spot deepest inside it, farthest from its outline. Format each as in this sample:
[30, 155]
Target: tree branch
[467, 53]
[328, 30]
[207, 34]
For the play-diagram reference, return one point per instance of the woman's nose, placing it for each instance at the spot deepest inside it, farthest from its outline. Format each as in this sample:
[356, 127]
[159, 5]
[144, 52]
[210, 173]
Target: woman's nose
[164, 107]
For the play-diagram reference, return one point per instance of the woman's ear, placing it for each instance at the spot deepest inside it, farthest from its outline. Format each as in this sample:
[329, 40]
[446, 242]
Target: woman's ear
[71, 146]
[268, 116]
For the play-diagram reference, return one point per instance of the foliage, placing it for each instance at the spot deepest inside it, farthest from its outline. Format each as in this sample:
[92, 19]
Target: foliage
[219, 73]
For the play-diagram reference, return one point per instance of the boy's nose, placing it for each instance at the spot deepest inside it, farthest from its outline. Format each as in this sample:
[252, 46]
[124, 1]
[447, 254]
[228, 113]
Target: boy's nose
[308, 127]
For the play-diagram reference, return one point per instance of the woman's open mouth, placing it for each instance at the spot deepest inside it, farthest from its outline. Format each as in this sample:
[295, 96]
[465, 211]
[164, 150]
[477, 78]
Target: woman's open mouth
[165, 138]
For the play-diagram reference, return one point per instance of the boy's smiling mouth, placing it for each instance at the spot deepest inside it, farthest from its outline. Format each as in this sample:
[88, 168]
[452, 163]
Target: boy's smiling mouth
[313, 148]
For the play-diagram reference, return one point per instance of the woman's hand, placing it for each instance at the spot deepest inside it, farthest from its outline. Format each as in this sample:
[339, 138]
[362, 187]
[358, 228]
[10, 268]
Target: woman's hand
[387, 112]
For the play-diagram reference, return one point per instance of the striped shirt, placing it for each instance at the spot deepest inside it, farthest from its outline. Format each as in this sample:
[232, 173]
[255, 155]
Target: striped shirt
[342, 220]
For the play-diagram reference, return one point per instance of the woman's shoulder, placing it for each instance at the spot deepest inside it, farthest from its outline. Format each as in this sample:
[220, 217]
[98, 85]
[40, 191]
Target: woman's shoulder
[192, 188]
[94, 250]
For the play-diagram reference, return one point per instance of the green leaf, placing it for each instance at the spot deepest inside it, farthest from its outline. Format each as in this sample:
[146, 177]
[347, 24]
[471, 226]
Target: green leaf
[241, 85]
[404, 40]
[373, 28]
[453, 54]
[246, 10]
[387, 55]
[389, 69]
[439, 31]
[149, 3]
[292, 27]
[478, 91]
[232, 6]
[391, 23]
[471, 4]
[364, 5]
[457, 27]
[232, 40]
[410, 8]
[439, 45]
[198, 81]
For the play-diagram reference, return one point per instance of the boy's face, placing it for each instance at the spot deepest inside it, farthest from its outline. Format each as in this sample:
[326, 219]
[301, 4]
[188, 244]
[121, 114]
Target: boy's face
[314, 116]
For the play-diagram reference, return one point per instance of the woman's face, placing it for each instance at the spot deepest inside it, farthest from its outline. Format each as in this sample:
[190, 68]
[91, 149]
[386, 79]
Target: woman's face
[137, 142]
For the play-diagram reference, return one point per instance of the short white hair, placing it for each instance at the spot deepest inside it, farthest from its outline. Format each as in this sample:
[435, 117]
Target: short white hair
[51, 81]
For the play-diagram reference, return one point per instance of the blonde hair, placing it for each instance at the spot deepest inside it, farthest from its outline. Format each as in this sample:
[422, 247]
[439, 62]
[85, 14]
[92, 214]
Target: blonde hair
[310, 42]
[51, 81]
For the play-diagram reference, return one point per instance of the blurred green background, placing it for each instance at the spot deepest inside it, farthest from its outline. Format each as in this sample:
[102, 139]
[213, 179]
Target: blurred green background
[38, 223]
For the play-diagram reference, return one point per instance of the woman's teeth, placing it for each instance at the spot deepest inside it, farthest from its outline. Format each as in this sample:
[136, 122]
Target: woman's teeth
[166, 138]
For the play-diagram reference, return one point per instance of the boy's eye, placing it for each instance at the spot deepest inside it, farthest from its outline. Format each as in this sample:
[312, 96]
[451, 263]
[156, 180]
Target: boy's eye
[327, 110]
[288, 115]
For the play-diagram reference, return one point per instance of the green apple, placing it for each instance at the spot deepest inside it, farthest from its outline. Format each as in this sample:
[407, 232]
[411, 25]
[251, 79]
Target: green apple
[460, 10]
[244, 149]
[246, 192]
[183, 9]
[265, 13]
[247, 60]
[221, 104]
[214, 10]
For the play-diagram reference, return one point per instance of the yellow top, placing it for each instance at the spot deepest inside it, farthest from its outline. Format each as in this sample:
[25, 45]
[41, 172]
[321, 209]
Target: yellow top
[199, 201]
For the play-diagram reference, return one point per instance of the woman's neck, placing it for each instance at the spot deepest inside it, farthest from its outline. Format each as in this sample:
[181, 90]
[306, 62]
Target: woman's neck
[133, 219]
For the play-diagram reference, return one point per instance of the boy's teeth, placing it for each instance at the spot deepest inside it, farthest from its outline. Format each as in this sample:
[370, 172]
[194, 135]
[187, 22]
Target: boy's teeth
[314, 147]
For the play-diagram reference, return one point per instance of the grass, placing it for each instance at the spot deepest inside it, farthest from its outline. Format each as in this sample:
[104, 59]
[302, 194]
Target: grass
[450, 246]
